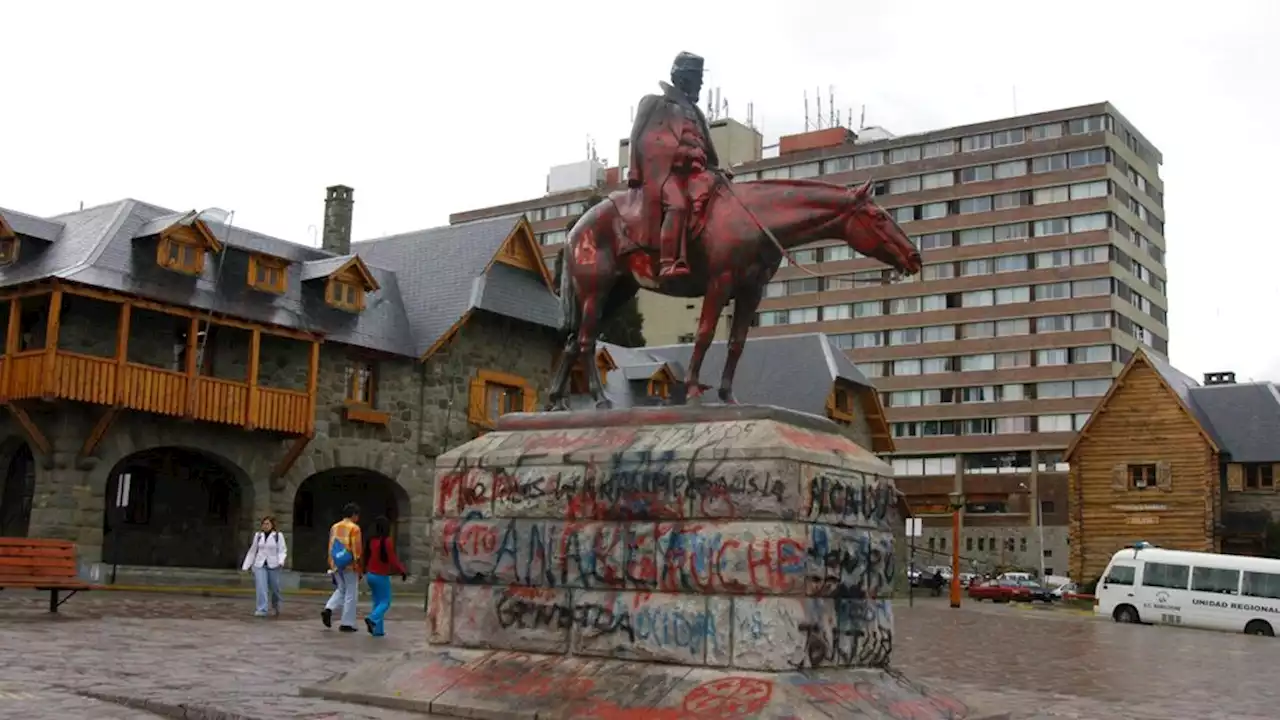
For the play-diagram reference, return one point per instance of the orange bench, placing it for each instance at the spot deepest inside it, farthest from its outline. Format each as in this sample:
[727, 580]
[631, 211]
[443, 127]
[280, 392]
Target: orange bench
[41, 564]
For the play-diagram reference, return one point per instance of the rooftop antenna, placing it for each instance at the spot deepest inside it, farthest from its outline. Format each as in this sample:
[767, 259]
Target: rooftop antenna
[806, 111]
[831, 106]
[862, 119]
[818, 95]
[751, 115]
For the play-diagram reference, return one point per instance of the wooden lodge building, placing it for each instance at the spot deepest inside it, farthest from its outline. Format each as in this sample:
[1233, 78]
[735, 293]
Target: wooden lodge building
[169, 379]
[1178, 464]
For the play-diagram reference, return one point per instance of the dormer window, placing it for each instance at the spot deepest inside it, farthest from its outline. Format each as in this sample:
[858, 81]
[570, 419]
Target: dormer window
[267, 274]
[840, 405]
[346, 281]
[180, 256]
[8, 250]
[345, 295]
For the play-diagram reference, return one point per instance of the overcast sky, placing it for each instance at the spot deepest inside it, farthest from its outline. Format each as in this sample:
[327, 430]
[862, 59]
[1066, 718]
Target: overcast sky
[257, 106]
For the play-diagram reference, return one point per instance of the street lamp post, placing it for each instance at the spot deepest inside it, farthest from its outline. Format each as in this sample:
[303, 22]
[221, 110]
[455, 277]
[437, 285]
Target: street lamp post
[957, 504]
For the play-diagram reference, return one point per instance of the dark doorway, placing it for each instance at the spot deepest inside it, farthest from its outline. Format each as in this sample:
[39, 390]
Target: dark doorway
[175, 507]
[19, 487]
[318, 505]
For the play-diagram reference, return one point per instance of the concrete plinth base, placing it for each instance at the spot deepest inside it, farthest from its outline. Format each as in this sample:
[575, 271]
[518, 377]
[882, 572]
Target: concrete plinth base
[499, 685]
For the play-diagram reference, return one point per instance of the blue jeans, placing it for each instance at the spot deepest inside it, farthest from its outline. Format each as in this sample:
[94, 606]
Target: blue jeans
[380, 586]
[267, 582]
[344, 597]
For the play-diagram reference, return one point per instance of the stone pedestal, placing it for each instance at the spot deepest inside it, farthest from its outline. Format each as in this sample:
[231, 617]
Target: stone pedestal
[645, 558]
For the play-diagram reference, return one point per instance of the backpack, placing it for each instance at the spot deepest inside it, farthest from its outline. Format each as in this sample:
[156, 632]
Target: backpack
[341, 555]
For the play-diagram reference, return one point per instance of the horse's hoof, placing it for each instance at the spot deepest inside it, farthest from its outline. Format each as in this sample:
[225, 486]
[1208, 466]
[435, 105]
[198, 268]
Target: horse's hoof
[604, 404]
[726, 397]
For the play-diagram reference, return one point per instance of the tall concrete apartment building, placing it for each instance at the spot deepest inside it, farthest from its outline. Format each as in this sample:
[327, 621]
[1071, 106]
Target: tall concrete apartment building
[1043, 242]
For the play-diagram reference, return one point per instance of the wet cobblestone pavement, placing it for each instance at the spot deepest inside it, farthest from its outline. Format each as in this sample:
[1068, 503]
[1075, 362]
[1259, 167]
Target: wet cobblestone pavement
[170, 654]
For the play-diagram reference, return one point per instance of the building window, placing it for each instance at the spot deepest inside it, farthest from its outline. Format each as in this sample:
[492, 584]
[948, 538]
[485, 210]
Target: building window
[968, 544]
[267, 274]
[1142, 477]
[1048, 163]
[1005, 138]
[1046, 132]
[494, 394]
[344, 295]
[358, 383]
[938, 179]
[179, 255]
[1258, 476]
[978, 173]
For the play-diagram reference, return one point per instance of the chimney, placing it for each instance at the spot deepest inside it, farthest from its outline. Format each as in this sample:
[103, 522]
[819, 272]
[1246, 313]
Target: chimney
[1219, 378]
[338, 202]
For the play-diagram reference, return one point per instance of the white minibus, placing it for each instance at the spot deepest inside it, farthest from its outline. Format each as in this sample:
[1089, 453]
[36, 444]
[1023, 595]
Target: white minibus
[1145, 584]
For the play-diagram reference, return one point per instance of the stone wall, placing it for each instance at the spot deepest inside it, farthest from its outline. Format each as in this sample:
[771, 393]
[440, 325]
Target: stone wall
[744, 541]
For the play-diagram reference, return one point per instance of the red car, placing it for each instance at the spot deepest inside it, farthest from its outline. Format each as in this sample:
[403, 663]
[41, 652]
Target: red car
[999, 591]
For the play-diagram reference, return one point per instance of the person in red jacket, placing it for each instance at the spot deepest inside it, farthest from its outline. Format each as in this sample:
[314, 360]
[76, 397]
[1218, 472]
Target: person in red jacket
[380, 563]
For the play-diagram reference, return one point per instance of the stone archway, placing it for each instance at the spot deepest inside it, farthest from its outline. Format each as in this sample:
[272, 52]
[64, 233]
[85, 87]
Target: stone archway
[319, 501]
[17, 487]
[176, 507]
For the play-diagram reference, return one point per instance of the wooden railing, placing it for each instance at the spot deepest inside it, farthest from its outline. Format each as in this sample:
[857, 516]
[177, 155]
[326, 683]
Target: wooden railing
[277, 409]
[26, 379]
[223, 401]
[103, 381]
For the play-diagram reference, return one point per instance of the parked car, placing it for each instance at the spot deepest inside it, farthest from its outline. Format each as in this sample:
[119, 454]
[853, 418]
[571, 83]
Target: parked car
[1066, 590]
[966, 579]
[999, 591]
[1037, 591]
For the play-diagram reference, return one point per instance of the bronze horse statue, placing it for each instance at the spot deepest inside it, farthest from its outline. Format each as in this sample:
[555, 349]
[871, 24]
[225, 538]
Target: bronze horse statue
[736, 246]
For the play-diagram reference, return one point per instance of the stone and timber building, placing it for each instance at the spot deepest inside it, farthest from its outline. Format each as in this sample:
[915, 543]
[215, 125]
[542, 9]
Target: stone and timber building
[169, 379]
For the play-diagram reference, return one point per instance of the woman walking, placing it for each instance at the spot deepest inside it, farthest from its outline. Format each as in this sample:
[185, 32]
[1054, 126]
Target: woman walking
[265, 558]
[382, 563]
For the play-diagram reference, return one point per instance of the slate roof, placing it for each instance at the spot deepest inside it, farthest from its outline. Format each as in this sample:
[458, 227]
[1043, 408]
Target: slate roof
[1244, 419]
[442, 273]
[426, 278]
[790, 371]
[31, 226]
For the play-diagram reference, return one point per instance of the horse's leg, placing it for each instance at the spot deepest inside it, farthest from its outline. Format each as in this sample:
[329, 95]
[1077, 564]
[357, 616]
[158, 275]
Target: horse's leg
[592, 304]
[745, 301]
[712, 305]
[559, 397]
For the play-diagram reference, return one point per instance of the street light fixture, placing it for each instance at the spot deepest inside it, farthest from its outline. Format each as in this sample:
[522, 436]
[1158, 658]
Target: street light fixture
[956, 500]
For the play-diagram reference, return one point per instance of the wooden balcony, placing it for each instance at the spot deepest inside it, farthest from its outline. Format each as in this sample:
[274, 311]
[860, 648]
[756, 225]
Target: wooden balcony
[52, 373]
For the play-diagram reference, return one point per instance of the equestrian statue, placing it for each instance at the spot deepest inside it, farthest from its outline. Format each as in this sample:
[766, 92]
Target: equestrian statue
[712, 238]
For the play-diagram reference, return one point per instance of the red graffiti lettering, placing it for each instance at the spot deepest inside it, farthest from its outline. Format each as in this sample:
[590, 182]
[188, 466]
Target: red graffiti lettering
[728, 698]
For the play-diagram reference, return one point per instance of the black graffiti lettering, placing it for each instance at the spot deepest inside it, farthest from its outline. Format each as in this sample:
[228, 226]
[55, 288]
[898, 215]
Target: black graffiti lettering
[864, 499]
[517, 611]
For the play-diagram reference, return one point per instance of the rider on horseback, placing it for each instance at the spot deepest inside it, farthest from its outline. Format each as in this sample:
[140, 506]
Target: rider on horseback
[671, 152]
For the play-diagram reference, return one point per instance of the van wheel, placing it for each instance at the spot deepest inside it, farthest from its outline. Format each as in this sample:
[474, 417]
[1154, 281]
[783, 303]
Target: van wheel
[1259, 627]
[1125, 614]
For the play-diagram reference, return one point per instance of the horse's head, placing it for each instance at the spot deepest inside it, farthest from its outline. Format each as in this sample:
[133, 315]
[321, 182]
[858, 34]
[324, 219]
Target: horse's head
[874, 233]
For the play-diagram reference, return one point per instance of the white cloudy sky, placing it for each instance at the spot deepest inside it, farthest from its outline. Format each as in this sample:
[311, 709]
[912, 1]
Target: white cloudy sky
[257, 106]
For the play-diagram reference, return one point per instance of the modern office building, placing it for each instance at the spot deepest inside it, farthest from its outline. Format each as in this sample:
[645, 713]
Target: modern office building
[1043, 240]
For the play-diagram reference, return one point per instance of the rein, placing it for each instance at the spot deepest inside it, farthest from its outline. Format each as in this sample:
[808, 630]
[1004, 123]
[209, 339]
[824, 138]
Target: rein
[785, 253]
